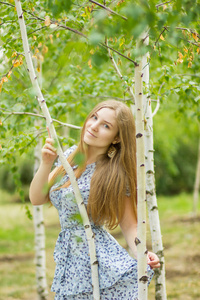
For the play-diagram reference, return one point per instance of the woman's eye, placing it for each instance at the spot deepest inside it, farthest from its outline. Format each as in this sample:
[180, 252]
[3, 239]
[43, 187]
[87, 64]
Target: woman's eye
[94, 117]
[106, 126]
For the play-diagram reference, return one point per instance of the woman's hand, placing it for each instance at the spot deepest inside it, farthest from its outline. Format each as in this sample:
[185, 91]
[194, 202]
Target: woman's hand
[153, 260]
[49, 152]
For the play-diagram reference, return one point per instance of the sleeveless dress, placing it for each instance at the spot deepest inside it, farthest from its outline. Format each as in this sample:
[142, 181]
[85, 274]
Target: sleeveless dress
[72, 279]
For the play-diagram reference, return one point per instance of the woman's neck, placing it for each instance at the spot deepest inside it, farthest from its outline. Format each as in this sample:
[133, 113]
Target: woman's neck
[93, 154]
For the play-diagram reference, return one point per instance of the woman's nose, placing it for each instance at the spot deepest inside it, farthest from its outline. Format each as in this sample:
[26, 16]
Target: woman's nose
[94, 126]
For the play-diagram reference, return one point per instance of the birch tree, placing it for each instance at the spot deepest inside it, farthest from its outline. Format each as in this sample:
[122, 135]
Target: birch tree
[68, 169]
[141, 184]
[149, 163]
[154, 222]
[40, 254]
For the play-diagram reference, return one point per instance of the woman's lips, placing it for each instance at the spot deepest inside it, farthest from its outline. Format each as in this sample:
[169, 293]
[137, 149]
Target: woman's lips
[91, 134]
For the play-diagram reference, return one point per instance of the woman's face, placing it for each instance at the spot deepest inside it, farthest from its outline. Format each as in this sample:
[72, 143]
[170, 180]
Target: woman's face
[101, 129]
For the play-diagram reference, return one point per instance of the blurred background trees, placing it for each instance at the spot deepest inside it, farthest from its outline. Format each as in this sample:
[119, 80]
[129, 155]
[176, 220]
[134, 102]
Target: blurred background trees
[76, 74]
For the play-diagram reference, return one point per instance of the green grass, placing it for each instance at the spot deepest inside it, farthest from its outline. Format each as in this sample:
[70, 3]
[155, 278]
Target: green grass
[181, 240]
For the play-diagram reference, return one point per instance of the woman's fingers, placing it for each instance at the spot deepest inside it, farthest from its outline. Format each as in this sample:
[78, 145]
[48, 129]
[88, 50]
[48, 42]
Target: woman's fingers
[49, 152]
[153, 260]
[49, 134]
[49, 144]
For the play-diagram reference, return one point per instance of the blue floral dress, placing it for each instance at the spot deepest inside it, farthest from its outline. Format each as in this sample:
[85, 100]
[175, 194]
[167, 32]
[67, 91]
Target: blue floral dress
[72, 280]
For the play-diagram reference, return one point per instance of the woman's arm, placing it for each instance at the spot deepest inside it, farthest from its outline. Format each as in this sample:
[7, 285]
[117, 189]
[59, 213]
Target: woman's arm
[129, 226]
[38, 193]
[129, 229]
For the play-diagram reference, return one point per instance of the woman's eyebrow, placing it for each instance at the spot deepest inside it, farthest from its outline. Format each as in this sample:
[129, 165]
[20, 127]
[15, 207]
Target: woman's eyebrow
[105, 120]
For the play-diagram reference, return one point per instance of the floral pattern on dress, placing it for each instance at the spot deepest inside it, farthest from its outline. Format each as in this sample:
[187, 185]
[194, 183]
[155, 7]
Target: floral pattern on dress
[72, 280]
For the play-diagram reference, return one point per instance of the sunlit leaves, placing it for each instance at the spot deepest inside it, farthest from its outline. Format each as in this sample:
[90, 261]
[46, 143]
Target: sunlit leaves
[180, 58]
[58, 6]
[76, 72]
[47, 21]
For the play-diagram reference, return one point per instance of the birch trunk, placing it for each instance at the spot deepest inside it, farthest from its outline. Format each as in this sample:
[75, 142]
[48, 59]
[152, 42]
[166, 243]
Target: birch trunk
[69, 170]
[141, 191]
[40, 256]
[160, 285]
[197, 182]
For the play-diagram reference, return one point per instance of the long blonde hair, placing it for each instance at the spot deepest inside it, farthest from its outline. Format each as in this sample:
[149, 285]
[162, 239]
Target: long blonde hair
[112, 176]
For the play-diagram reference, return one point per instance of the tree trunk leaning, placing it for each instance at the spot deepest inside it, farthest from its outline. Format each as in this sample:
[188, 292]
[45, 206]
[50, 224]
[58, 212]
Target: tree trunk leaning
[141, 187]
[154, 222]
[66, 165]
[40, 256]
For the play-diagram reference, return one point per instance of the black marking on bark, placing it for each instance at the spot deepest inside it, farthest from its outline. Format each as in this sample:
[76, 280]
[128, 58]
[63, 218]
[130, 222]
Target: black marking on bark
[35, 77]
[142, 74]
[144, 279]
[150, 172]
[142, 165]
[137, 241]
[158, 287]
[160, 253]
[150, 193]
[154, 208]
[140, 93]
[146, 252]
[87, 226]
[42, 101]
[143, 222]
[139, 135]
[39, 224]
[21, 16]
[95, 263]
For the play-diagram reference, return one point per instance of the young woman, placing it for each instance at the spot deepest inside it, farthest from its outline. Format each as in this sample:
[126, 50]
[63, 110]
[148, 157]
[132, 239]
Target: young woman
[107, 182]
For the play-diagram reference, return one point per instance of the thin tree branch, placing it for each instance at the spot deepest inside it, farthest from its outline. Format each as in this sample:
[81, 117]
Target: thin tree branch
[195, 44]
[105, 46]
[188, 29]
[38, 116]
[43, 27]
[118, 71]
[52, 22]
[161, 4]
[18, 54]
[165, 28]
[158, 102]
[9, 4]
[108, 9]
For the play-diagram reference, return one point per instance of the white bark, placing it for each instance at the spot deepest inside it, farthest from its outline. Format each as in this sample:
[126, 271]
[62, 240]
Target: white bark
[160, 286]
[197, 182]
[69, 170]
[141, 190]
[40, 256]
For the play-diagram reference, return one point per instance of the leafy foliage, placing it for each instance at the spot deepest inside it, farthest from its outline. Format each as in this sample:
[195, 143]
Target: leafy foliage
[67, 42]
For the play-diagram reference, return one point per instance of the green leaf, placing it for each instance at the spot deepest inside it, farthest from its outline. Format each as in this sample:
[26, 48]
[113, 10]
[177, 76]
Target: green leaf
[79, 159]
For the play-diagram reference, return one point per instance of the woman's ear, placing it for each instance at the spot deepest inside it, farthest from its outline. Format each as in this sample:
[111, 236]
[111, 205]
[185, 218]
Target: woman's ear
[116, 140]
